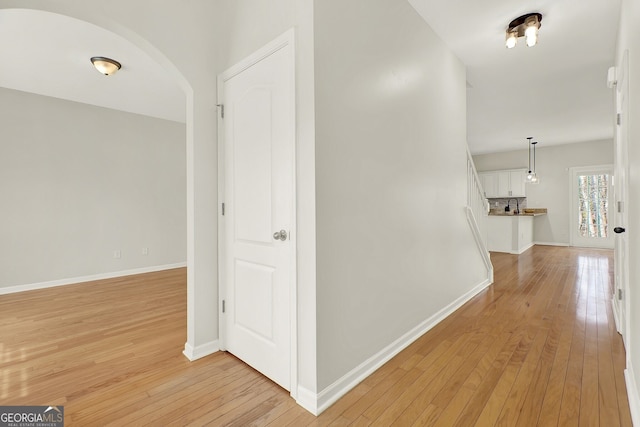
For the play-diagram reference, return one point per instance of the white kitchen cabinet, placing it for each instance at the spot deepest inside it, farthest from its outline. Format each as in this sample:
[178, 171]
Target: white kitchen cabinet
[503, 183]
[489, 183]
[517, 182]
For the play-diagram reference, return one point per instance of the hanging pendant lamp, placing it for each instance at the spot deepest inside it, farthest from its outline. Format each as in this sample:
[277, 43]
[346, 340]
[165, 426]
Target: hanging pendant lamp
[532, 177]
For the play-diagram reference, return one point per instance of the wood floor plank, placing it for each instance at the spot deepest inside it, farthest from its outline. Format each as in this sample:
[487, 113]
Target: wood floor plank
[393, 410]
[550, 411]
[413, 401]
[589, 408]
[571, 395]
[454, 404]
[493, 392]
[619, 358]
[538, 347]
[607, 401]
[513, 405]
[532, 404]
[485, 388]
[287, 418]
[362, 404]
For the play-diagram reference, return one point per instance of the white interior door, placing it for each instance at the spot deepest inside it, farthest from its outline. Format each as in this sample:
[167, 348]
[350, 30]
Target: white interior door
[591, 207]
[620, 194]
[257, 256]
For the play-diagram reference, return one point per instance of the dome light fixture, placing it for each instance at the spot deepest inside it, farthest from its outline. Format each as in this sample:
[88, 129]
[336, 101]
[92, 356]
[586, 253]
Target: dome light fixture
[106, 66]
[526, 26]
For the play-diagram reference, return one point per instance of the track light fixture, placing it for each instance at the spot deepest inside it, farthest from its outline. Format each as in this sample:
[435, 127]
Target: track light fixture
[526, 26]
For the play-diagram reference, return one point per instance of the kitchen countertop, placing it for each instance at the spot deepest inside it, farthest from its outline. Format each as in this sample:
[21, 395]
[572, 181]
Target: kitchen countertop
[520, 214]
[529, 212]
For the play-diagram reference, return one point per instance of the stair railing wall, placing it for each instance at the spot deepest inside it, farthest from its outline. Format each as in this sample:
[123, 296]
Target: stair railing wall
[477, 211]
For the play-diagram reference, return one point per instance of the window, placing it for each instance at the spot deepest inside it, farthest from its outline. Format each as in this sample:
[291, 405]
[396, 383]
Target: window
[593, 202]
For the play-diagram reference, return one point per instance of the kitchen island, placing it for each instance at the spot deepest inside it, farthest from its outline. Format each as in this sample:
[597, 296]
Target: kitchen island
[511, 233]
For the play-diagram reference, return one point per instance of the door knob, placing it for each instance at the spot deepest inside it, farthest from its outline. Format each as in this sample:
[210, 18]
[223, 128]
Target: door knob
[280, 235]
[619, 230]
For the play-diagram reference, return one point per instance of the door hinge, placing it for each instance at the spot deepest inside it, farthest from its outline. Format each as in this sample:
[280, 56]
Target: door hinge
[618, 119]
[620, 294]
[223, 209]
[221, 110]
[223, 306]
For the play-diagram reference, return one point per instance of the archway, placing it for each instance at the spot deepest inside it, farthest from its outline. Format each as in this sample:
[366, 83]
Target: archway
[83, 13]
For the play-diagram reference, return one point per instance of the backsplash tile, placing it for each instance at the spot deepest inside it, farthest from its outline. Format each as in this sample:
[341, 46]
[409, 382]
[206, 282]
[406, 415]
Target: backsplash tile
[498, 205]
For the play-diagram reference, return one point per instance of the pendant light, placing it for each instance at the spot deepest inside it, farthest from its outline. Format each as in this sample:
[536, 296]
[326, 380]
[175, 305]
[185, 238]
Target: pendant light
[532, 178]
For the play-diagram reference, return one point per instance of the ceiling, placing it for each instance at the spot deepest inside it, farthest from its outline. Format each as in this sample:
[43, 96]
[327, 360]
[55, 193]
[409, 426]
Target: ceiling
[49, 54]
[555, 91]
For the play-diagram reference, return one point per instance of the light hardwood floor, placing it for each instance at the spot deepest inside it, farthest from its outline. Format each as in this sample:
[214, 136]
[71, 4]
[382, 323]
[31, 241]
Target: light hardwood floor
[538, 347]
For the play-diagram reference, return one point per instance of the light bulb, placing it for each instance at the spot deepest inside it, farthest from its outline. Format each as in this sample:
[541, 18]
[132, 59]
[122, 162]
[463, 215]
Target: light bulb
[531, 33]
[512, 40]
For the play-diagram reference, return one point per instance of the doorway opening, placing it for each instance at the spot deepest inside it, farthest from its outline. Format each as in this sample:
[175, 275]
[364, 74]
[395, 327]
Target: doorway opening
[257, 226]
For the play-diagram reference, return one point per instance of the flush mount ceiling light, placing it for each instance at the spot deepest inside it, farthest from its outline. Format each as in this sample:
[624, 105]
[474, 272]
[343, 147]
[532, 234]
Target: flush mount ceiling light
[106, 66]
[532, 178]
[524, 26]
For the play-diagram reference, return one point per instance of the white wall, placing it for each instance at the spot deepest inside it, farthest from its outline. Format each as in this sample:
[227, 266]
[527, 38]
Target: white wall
[78, 182]
[629, 39]
[553, 192]
[390, 179]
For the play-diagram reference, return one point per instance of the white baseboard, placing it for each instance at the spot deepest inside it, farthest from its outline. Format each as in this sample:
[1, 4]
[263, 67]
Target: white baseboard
[632, 394]
[550, 244]
[81, 279]
[523, 249]
[616, 314]
[308, 400]
[332, 393]
[194, 353]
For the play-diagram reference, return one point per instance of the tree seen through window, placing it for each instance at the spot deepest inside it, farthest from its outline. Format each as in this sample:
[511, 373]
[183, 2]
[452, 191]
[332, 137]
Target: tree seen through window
[593, 203]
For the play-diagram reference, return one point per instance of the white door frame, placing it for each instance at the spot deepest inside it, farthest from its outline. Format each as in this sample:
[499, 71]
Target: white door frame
[286, 39]
[621, 95]
[573, 222]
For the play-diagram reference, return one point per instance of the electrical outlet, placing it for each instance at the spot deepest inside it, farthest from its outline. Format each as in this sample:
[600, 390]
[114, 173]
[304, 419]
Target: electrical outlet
[117, 254]
[145, 251]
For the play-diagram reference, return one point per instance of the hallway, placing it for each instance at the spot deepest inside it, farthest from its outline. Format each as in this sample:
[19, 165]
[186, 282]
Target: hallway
[538, 347]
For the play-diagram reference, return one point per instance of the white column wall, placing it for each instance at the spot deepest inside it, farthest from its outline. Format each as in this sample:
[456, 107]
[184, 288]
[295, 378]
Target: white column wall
[393, 244]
